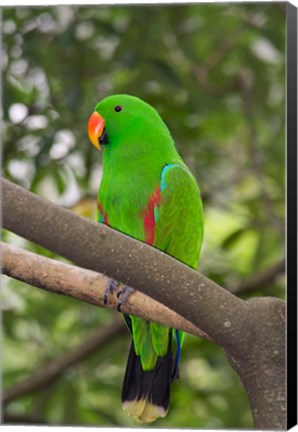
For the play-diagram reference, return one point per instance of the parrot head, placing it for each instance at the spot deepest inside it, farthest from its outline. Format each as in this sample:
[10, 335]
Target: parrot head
[124, 119]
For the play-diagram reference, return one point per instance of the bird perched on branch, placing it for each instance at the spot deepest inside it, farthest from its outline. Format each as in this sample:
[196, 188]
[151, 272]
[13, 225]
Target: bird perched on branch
[148, 193]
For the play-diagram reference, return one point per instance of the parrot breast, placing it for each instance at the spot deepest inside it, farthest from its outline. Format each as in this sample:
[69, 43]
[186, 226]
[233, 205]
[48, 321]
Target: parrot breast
[126, 217]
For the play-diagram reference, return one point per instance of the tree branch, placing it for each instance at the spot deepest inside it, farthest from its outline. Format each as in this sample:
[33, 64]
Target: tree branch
[85, 285]
[38, 271]
[97, 247]
[251, 332]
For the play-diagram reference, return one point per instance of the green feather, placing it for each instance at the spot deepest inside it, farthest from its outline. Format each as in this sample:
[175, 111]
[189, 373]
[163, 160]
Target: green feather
[179, 229]
[160, 338]
[139, 330]
[148, 353]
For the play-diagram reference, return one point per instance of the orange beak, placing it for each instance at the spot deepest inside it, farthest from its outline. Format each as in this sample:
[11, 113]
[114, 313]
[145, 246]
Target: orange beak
[96, 126]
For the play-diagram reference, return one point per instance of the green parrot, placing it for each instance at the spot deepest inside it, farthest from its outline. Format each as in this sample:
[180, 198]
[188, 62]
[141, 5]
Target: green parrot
[148, 193]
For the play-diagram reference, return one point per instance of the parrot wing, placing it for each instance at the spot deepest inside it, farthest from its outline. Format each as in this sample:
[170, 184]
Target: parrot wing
[173, 223]
[179, 215]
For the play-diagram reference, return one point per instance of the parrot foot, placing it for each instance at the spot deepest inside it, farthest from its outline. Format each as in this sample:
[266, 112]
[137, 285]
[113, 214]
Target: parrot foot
[113, 285]
[123, 295]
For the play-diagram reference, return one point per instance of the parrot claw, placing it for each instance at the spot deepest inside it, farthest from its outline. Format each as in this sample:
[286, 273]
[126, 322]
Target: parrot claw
[113, 285]
[123, 295]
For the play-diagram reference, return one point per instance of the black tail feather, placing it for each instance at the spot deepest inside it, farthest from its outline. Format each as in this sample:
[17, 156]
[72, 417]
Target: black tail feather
[153, 386]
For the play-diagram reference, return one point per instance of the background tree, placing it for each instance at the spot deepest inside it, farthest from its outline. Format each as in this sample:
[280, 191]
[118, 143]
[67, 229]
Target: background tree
[216, 75]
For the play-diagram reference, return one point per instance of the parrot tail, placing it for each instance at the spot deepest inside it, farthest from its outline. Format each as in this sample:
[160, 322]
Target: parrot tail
[146, 394]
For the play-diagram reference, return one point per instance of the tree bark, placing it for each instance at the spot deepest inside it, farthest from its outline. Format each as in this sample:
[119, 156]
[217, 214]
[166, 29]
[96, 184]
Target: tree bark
[251, 332]
[86, 285]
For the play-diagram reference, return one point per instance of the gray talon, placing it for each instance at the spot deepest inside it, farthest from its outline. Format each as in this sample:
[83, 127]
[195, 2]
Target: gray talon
[123, 296]
[113, 285]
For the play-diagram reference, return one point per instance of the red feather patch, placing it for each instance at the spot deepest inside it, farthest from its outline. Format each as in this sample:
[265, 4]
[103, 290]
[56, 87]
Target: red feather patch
[103, 213]
[149, 219]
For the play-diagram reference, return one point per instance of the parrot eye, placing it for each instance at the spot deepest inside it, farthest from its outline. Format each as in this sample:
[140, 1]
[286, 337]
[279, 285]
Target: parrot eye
[118, 108]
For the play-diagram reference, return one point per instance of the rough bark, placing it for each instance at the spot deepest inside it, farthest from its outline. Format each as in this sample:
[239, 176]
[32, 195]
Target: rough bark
[251, 332]
[261, 367]
[86, 285]
[97, 247]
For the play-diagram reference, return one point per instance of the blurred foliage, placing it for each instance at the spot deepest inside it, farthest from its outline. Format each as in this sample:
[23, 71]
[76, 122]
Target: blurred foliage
[216, 74]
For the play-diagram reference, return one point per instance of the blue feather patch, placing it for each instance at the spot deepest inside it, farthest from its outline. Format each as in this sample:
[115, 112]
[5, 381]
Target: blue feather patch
[175, 373]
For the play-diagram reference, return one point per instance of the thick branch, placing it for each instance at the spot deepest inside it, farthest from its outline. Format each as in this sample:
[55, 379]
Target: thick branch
[49, 373]
[95, 246]
[86, 285]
